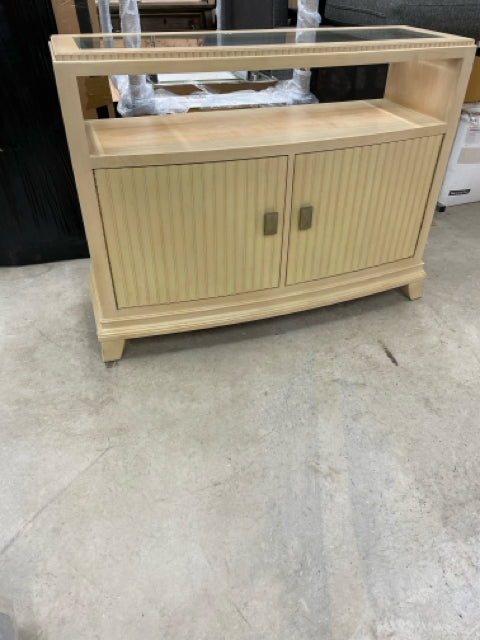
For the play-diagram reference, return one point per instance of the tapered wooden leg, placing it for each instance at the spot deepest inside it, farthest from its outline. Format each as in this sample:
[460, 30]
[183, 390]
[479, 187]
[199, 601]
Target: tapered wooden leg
[413, 290]
[112, 350]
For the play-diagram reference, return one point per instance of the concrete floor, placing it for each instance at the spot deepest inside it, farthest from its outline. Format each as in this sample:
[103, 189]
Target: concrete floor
[280, 480]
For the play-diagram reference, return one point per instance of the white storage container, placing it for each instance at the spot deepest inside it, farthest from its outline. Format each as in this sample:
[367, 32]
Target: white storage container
[462, 179]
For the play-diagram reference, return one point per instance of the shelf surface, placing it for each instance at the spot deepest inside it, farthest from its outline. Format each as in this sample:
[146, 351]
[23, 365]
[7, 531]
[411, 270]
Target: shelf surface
[118, 141]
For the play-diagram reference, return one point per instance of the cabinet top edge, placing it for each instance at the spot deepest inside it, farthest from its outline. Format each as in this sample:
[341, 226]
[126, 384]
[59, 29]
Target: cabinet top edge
[256, 42]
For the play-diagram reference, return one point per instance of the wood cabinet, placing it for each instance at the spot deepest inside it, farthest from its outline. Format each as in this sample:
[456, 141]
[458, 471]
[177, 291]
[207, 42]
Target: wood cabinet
[206, 218]
[367, 206]
[186, 232]
[158, 15]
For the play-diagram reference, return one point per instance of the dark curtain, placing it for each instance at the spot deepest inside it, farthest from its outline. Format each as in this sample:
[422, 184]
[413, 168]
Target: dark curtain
[40, 217]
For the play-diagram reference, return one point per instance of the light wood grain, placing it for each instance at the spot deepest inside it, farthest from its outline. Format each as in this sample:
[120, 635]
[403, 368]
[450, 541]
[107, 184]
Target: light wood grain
[192, 231]
[77, 143]
[154, 64]
[368, 205]
[188, 136]
[452, 77]
[413, 290]
[424, 85]
[202, 314]
[112, 350]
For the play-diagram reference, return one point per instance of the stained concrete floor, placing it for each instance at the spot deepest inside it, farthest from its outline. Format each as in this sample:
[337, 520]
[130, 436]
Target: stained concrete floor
[280, 480]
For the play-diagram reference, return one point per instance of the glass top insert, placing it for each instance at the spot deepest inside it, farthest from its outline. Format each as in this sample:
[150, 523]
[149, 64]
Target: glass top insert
[251, 38]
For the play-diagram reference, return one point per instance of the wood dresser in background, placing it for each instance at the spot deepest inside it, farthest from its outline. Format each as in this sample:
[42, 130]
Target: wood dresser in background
[167, 15]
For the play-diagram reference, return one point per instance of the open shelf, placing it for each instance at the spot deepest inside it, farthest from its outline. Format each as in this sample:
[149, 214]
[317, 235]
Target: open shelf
[199, 136]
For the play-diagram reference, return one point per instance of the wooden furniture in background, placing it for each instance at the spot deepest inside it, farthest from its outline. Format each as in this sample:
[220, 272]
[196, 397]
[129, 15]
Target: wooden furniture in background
[201, 219]
[168, 15]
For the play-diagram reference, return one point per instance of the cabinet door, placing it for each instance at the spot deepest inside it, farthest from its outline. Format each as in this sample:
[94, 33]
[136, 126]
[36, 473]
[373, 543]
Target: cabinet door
[186, 232]
[367, 206]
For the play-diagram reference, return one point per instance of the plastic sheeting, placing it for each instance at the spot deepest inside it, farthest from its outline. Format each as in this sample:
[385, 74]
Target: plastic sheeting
[136, 94]
[307, 17]
[105, 20]
[138, 97]
[285, 92]
[219, 13]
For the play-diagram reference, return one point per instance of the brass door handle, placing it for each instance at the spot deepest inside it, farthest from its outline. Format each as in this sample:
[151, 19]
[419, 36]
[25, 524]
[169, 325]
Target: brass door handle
[270, 223]
[305, 218]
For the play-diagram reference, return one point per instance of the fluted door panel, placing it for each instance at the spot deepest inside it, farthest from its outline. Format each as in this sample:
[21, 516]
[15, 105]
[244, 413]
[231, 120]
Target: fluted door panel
[368, 206]
[186, 232]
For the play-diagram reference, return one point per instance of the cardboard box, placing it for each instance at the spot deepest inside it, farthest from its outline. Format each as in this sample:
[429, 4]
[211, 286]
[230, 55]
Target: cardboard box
[462, 179]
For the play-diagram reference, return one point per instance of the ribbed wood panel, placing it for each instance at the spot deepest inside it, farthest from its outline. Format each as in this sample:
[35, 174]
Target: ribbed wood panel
[186, 232]
[368, 205]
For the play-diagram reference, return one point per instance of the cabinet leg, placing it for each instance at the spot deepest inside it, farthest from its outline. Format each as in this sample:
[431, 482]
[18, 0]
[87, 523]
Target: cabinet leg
[413, 290]
[112, 350]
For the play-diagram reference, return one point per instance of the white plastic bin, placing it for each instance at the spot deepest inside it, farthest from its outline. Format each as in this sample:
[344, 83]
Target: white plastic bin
[462, 179]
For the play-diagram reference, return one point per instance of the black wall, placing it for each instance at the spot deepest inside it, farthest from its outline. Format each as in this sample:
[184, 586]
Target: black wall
[39, 213]
[254, 14]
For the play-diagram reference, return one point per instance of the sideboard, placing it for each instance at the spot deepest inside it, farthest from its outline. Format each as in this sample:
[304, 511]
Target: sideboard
[213, 217]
